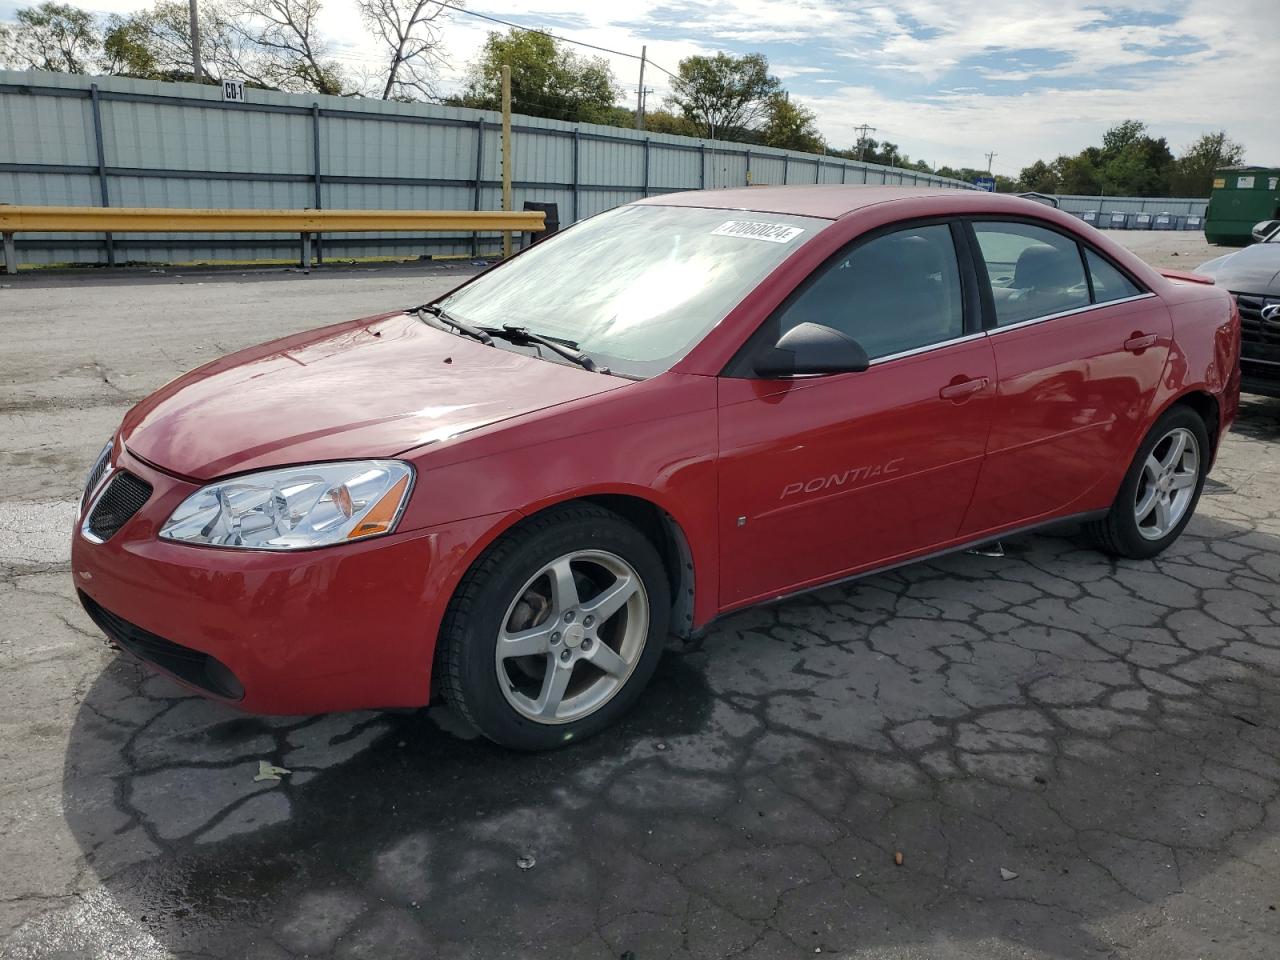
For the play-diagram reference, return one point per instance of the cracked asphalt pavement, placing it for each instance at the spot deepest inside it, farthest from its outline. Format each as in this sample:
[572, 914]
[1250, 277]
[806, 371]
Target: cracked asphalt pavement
[1075, 757]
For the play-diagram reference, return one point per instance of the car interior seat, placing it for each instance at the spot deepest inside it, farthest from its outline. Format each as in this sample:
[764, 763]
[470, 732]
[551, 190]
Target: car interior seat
[1045, 280]
[889, 295]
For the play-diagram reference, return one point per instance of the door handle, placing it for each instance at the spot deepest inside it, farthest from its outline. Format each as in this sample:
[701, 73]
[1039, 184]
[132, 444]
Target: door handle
[1140, 341]
[964, 389]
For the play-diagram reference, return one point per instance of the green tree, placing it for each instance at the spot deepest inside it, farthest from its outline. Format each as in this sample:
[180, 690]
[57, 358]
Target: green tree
[724, 95]
[1080, 174]
[1124, 134]
[547, 79]
[790, 126]
[1133, 163]
[155, 43]
[664, 121]
[52, 36]
[1192, 173]
[1039, 177]
[127, 47]
[886, 153]
[267, 43]
[969, 174]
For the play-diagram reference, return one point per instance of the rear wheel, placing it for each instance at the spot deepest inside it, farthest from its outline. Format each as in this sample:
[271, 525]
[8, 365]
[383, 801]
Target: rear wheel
[1161, 489]
[554, 632]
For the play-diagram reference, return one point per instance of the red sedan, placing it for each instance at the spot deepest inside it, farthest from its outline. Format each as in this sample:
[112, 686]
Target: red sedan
[671, 411]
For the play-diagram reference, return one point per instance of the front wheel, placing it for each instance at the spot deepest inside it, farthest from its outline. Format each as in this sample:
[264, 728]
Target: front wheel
[554, 632]
[1161, 489]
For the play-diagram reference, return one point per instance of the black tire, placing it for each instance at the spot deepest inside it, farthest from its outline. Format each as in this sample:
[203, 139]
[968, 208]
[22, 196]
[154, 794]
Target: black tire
[1117, 533]
[475, 617]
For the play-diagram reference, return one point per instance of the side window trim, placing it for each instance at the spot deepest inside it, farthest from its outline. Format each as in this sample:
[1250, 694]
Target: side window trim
[971, 283]
[1088, 274]
[995, 331]
[739, 366]
[979, 268]
[963, 338]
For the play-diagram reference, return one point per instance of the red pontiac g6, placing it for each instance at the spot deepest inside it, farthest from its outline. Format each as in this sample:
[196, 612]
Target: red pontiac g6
[673, 410]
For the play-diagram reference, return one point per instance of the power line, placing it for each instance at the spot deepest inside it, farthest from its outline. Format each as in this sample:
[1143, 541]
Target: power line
[553, 36]
[863, 130]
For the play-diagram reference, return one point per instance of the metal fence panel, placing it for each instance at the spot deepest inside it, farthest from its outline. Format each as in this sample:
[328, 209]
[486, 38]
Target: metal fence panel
[673, 169]
[36, 130]
[73, 140]
[1181, 206]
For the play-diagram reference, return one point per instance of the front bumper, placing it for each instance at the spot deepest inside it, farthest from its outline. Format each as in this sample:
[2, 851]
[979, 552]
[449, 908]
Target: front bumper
[336, 628]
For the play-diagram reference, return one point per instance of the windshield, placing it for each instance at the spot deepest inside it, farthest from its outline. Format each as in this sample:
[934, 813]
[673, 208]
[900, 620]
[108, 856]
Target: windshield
[637, 287]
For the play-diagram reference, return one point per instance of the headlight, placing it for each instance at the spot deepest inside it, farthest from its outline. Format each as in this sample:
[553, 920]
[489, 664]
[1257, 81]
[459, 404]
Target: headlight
[295, 508]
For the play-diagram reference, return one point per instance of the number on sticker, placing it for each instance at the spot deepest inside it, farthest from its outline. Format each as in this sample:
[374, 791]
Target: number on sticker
[758, 230]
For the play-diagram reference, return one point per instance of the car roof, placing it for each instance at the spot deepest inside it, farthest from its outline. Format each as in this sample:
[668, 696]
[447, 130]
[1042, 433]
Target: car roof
[828, 200]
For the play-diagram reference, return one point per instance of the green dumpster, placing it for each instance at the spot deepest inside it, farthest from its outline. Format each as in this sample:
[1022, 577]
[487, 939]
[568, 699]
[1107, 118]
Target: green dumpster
[1241, 197]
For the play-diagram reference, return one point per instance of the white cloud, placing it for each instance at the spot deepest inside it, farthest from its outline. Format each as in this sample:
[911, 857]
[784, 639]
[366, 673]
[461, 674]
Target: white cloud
[786, 71]
[1063, 70]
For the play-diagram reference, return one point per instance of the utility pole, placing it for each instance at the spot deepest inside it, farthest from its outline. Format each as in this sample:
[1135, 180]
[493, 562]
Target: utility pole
[196, 70]
[862, 140]
[991, 156]
[644, 52]
[506, 154]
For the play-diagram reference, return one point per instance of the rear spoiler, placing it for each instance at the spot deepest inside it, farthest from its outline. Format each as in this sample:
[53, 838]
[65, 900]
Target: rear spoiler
[1186, 276]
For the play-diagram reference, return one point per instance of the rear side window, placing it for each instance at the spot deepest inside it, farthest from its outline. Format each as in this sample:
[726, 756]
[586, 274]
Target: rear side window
[1108, 282]
[897, 292]
[1034, 272]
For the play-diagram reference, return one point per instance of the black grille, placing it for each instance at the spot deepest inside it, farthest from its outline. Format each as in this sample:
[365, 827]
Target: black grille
[196, 668]
[124, 497]
[95, 475]
[1259, 339]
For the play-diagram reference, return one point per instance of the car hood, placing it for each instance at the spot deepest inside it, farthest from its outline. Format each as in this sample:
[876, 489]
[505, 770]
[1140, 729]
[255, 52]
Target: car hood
[367, 388]
[1255, 269]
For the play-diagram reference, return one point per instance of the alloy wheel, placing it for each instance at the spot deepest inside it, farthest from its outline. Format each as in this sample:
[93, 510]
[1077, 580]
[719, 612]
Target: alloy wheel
[572, 636]
[1168, 483]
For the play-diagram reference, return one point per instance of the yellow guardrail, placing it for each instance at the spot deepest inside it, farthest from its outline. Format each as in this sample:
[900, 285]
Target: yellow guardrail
[25, 219]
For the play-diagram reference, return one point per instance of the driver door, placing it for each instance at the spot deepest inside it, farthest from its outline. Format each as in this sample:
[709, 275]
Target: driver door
[826, 476]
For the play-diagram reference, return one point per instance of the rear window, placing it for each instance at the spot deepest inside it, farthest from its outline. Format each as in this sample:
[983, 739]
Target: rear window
[1034, 272]
[1108, 282]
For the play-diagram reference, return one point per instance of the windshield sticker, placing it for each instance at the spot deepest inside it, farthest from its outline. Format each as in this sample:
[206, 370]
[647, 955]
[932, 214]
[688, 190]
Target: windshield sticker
[756, 230]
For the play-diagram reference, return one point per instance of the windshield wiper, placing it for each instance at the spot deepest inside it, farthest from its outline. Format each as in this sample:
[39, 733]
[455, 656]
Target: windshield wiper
[435, 316]
[565, 348]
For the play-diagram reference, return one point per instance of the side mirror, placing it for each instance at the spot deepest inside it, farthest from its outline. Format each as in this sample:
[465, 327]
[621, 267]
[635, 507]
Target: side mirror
[811, 348]
[1264, 229]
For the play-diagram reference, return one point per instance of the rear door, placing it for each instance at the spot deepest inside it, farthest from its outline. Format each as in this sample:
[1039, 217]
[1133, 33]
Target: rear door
[1079, 349]
[825, 476]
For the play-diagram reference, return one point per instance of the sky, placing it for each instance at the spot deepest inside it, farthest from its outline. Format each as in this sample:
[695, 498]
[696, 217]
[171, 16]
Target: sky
[947, 80]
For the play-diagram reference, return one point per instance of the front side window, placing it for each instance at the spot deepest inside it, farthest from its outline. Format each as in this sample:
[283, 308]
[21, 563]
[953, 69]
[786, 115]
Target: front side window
[894, 293]
[1034, 272]
[638, 287]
